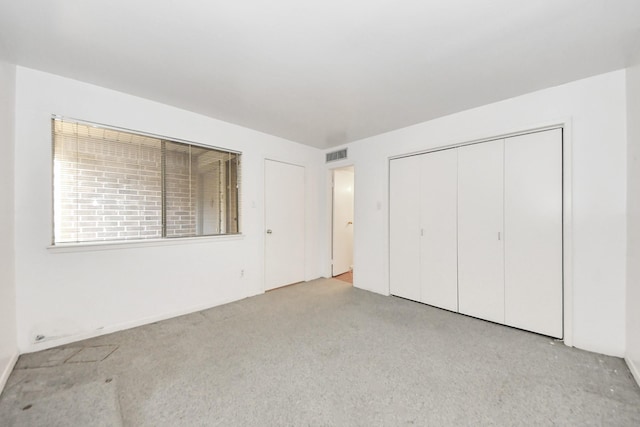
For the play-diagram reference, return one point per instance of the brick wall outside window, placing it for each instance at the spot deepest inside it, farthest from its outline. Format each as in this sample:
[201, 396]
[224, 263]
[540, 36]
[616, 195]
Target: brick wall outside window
[108, 186]
[181, 195]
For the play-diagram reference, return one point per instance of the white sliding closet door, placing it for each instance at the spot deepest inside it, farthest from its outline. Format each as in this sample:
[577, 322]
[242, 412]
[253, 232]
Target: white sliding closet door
[480, 229]
[439, 244]
[533, 232]
[404, 227]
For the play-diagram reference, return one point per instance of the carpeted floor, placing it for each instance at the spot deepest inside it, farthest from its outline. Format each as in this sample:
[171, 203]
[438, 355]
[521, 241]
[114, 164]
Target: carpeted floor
[317, 354]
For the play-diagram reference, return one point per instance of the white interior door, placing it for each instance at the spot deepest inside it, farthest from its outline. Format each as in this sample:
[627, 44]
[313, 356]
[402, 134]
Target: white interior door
[480, 230]
[533, 232]
[439, 245]
[404, 227]
[342, 251]
[284, 220]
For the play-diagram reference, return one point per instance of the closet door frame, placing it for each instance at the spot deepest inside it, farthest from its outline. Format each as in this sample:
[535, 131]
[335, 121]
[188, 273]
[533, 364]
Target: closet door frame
[567, 201]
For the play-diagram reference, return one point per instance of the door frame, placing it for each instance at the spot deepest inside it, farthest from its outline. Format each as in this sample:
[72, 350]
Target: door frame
[567, 211]
[353, 195]
[264, 218]
[328, 242]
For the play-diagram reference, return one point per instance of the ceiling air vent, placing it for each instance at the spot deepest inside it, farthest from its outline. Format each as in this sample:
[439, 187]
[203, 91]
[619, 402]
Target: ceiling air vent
[336, 155]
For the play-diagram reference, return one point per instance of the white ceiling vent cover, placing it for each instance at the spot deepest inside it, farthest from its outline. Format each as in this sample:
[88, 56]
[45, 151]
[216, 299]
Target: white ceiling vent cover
[336, 155]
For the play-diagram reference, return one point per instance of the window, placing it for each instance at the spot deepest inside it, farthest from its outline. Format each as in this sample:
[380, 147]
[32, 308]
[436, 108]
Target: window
[112, 185]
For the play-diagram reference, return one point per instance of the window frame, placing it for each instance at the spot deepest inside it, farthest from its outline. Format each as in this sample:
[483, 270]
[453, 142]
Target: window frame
[139, 242]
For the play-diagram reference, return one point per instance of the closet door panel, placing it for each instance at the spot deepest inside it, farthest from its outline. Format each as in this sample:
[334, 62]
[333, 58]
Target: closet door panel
[533, 232]
[439, 244]
[480, 227]
[404, 227]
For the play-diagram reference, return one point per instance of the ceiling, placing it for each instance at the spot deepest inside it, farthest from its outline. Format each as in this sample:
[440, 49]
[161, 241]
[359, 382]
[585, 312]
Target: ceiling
[322, 72]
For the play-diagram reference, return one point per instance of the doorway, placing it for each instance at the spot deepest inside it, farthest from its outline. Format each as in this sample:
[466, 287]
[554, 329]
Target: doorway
[342, 224]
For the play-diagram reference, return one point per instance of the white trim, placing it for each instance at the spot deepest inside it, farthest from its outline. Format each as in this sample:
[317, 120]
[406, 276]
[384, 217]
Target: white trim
[331, 176]
[107, 245]
[305, 216]
[635, 370]
[567, 204]
[567, 231]
[329, 168]
[388, 230]
[56, 341]
[6, 372]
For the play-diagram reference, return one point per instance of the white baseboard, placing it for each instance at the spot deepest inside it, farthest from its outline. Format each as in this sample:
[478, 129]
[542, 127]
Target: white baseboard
[6, 370]
[68, 339]
[635, 371]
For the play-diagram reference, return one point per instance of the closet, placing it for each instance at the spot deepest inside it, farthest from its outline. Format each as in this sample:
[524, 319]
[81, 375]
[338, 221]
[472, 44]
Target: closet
[477, 229]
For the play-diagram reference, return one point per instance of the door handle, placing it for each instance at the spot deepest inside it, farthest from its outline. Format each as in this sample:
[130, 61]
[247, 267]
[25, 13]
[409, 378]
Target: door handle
[269, 231]
[349, 223]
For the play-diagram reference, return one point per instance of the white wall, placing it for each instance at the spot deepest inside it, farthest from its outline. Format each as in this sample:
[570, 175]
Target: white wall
[8, 344]
[70, 295]
[596, 109]
[633, 221]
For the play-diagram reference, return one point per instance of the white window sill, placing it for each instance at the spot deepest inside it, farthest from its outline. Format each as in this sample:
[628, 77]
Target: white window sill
[103, 246]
